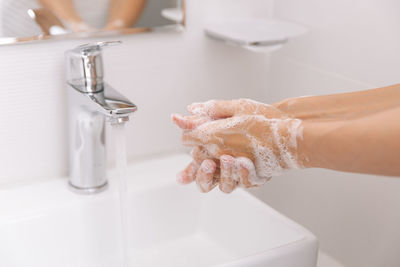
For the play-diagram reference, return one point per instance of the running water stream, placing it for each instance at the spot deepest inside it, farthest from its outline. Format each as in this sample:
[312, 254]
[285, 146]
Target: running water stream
[121, 167]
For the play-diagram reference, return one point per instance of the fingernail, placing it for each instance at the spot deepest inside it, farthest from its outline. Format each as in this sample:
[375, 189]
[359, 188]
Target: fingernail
[175, 116]
[208, 166]
[180, 177]
[226, 188]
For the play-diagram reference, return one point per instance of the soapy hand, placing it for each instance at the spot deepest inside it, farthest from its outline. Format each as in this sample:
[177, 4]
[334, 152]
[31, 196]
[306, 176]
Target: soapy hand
[221, 109]
[229, 136]
[344, 132]
[226, 171]
[269, 143]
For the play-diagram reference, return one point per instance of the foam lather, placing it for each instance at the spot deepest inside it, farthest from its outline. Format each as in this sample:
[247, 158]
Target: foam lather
[270, 143]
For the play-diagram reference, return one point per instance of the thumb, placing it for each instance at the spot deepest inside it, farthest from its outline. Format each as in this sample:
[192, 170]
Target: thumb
[187, 122]
[192, 138]
[206, 132]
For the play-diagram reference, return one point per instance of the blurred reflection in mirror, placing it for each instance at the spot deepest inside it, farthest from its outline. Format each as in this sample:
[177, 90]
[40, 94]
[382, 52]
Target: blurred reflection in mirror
[121, 13]
[79, 15]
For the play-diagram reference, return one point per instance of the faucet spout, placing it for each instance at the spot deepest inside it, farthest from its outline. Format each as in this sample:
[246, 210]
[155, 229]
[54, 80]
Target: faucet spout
[110, 103]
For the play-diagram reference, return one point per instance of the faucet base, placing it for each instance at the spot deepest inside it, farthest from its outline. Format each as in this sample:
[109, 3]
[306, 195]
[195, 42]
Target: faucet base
[88, 190]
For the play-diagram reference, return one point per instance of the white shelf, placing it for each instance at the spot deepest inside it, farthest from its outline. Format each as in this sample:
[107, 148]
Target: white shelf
[173, 14]
[254, 34]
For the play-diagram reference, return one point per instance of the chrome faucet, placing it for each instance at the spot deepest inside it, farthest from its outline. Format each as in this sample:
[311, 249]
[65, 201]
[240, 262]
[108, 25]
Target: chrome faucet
[90, 102]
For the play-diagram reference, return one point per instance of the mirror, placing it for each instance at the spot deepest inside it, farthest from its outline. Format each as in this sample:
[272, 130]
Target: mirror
[29, 20]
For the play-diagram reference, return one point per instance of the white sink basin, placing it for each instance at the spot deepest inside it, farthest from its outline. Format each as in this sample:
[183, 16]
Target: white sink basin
[44, 224]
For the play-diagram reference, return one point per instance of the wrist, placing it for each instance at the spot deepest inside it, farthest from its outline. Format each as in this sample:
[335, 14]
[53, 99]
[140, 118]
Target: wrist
[287, 133]
[282, 105]
[317, 142]
[292, 107]
[305, 107]
[307, 150]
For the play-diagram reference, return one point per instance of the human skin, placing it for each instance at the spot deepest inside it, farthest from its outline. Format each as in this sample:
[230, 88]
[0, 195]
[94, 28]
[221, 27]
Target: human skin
[354, 132]
[369, 144]
[244, 169]
[65, 10]
[124, 13]
[341, 106]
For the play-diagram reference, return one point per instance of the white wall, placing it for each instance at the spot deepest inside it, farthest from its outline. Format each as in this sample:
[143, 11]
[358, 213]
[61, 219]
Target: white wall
[352, 45]
[160, 72]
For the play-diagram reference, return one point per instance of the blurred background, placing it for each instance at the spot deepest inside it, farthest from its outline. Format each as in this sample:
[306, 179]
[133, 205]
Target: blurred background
[17, 21]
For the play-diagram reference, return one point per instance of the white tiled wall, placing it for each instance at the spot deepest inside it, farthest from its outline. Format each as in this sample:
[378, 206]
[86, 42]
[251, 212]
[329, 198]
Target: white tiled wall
[357, 39]
[352, 45]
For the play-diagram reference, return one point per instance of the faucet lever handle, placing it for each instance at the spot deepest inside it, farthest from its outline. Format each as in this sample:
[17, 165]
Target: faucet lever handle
[96, 46]
[85, 66]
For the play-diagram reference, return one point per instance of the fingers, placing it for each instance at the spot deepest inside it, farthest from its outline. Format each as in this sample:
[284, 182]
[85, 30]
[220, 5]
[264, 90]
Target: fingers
[191, 138]
[247, 175]
[196, 132]
[199, 154]
[221, 109]
[243, 175]
[214, 109]
[189, 174]
[207, 133]
[231, 173]
[226, 183]
[187, 122]
[205, 176]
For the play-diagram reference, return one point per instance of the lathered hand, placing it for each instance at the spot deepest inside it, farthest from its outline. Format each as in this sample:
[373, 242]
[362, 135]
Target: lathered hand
[225, 149]
[226, 171]
[270, 143]
[351, 132]
[221, 109]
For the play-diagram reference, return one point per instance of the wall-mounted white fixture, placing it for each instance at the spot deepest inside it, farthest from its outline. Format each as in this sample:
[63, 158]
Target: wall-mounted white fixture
[253, 33]
[173, 14]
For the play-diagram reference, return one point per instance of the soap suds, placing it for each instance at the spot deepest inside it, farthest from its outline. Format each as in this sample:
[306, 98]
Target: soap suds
[286, 143]
[242, 106]
[254, 179]
[208, 166]
[204, 109]
[273, 151]
[271, 157]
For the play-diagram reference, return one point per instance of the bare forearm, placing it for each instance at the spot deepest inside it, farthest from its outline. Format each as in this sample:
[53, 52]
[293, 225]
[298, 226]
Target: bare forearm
[64, 9]
[367, 141]
[370, 144]
[339, 106]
